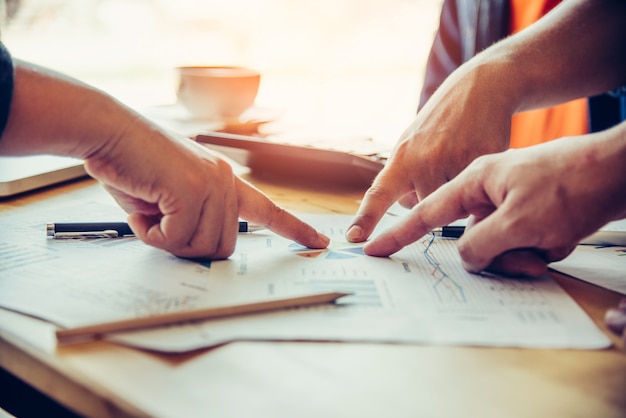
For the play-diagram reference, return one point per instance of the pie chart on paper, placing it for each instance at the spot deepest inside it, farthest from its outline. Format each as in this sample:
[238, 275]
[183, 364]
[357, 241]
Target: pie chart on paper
[335, 251]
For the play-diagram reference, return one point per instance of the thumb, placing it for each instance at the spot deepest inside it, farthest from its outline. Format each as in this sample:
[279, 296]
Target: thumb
[385, 190]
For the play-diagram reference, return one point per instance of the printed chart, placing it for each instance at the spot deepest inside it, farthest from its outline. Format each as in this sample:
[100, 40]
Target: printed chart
[336, 251]
[452, 286]
[419, 295]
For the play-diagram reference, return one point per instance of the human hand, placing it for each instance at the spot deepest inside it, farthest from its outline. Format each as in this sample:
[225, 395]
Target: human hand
[529, 207]
[183, 198]
[180, 196]
[460, 122]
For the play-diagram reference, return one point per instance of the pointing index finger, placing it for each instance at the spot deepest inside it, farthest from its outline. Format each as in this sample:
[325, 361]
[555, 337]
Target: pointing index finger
[259, 209]
[440, 208]
[384, 191]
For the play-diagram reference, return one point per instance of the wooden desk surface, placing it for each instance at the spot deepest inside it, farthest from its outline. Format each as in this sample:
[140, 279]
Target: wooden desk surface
[294, 379]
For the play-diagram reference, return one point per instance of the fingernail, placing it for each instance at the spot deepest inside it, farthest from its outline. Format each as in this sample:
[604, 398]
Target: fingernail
[615, 320]
[324, 239]
[470, 268]
[354, 233]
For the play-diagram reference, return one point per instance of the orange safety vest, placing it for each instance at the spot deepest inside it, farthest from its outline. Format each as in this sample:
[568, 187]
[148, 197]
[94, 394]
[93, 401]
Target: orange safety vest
[542, 125]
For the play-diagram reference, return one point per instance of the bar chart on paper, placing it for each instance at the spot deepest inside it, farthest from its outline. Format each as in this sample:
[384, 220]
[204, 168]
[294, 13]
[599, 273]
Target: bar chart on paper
[318, 278]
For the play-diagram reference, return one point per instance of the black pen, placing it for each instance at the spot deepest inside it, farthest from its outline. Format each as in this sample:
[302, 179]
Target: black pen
[448, 231]
[109, 229]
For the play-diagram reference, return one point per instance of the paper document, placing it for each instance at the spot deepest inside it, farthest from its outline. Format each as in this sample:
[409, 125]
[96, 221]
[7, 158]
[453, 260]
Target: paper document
[613, 233]
[602, 266]
[80, 282]
[420, 295]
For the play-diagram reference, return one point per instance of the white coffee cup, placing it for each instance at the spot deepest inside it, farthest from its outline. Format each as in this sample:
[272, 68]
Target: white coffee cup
[212, 92]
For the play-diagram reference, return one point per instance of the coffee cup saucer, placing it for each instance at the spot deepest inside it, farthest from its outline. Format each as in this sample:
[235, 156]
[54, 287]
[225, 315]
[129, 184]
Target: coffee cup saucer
[176, 118]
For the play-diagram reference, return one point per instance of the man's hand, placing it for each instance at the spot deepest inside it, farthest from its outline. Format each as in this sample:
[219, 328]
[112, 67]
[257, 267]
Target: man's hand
[529, 207]
[442, 140]
[183, 198]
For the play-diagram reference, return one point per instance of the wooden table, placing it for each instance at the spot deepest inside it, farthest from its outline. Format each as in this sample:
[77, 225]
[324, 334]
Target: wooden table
[295, 379]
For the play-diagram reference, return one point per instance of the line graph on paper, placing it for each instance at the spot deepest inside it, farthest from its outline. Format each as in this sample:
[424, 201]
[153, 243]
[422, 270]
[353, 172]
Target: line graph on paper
[445, 288]
[451, 285]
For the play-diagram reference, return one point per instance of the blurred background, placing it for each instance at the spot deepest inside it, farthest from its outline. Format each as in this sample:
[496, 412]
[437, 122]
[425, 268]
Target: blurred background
[329, 67]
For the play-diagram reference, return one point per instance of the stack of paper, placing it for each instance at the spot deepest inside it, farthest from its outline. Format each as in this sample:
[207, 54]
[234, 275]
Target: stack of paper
[420, 295]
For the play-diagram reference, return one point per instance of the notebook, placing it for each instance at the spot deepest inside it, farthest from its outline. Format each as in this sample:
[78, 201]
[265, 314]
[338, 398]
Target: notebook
[23, 174]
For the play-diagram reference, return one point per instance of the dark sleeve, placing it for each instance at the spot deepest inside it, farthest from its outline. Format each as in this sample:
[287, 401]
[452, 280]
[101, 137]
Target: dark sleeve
[607, 110]
[6, 86]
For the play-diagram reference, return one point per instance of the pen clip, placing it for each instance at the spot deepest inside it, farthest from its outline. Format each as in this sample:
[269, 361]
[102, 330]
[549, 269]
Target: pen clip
[109, 233]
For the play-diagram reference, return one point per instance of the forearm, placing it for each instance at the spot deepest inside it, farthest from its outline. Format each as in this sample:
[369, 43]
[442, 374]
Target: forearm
[574, 51]
[611, 149]
[54, 114]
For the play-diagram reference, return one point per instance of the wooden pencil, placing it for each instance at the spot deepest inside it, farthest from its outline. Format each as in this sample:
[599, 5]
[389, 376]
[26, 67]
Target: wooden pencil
[91, 332]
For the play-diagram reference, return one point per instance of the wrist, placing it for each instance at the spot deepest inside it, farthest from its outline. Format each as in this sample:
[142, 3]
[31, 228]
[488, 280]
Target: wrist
[99, 138]
[618, 161]
[504, 78]
[602, 158]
